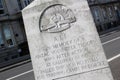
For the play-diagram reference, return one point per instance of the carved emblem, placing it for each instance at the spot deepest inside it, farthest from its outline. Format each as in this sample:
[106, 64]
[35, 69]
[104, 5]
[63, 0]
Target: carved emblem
[56, 18]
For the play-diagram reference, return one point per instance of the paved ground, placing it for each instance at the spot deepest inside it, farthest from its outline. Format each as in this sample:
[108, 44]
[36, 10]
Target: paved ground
[110, 42]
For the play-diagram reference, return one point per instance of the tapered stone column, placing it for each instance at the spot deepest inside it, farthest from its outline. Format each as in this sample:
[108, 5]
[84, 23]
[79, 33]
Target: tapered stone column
[63, 41]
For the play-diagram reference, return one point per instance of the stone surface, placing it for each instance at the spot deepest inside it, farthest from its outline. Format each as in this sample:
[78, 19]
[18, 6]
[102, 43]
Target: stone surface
[63, 41]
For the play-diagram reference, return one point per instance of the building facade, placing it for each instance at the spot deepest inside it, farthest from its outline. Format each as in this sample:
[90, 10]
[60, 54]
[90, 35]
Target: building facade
[106, 13]
[13, 43]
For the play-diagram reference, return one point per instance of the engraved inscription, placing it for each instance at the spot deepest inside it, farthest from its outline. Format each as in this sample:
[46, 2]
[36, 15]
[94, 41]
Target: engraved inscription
[56, 18]
[69, 57]
[100, 74]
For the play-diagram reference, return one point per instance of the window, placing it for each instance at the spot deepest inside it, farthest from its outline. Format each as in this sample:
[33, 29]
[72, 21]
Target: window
[6, 37]
[19, 4]
[104, 12]
[110, 12]
[92, 0]
[117, 12]
[96, 13]
[1, 7]
[1, 40]
[26, 2]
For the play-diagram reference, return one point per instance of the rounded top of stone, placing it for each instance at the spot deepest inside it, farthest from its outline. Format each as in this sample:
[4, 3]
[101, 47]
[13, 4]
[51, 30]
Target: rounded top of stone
[35, 3]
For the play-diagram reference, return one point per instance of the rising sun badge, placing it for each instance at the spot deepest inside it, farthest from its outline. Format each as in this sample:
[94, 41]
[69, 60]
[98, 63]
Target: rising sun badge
[56, 18]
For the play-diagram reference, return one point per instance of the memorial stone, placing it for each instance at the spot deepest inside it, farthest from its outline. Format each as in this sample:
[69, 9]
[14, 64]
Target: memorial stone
[63, 41]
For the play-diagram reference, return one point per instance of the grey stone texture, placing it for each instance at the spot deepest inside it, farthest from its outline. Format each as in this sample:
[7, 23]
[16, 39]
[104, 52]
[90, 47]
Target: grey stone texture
[63, 41]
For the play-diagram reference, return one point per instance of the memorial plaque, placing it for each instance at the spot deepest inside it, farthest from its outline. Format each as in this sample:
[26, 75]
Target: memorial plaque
[63, 41]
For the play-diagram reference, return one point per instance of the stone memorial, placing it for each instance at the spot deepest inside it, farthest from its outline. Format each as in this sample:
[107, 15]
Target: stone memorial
[63, 41]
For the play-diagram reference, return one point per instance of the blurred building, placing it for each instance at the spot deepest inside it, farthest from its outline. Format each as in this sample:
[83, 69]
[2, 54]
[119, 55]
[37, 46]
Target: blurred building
[106, 13]
[13, 43]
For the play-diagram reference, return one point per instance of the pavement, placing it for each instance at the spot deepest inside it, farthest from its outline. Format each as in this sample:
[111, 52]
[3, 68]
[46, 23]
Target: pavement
[111, 45]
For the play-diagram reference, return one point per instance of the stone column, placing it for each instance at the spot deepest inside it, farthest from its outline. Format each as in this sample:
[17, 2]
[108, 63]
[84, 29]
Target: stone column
[63, 41]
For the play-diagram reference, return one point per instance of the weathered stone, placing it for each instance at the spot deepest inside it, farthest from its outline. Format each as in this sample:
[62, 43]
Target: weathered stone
[63, 41]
